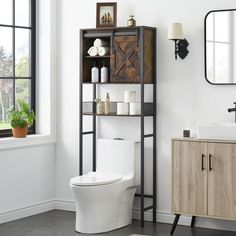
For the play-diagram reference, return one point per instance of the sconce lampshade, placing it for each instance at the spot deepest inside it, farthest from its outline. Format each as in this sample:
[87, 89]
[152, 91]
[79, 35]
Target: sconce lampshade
[175, 31]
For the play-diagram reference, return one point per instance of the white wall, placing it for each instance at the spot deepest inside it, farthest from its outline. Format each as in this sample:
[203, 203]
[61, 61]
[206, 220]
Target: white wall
[27, 176]
[27, 166]
[27, 181]
[183, 94]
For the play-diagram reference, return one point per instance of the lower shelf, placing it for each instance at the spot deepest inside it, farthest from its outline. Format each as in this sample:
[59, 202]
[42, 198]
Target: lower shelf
[88, 109]
[113, 114]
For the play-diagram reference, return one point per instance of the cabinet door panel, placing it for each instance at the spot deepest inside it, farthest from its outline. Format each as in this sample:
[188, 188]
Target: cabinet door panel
[125, 61]
[189, 181]
[222, 181]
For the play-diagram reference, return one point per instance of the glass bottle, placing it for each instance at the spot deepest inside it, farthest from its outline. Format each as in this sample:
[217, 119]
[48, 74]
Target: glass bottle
[107, 104]
[131, 21]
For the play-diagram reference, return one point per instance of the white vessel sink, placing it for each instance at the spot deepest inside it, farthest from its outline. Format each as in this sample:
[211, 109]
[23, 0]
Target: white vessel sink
[217, 131]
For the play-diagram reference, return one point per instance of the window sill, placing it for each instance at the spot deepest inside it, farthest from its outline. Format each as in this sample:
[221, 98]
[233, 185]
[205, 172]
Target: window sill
[30, 140]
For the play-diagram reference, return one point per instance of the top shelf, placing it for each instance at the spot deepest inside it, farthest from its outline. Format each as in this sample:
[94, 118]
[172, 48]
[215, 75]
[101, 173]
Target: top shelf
[117, 29]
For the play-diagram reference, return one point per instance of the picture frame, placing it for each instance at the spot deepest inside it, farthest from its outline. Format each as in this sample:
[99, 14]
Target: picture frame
[106, 14]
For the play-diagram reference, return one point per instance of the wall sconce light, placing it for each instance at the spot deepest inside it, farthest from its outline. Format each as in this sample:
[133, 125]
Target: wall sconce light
[176, 34]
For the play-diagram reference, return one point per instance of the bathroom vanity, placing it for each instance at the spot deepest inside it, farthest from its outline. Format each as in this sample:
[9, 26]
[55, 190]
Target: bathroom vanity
[203, 178]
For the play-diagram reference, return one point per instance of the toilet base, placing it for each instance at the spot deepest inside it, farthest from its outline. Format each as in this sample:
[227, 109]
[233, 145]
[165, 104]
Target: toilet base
[105, 210]
[104, 230]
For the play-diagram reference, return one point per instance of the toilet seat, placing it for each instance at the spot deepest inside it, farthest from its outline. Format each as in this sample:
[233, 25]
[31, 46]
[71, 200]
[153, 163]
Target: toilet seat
[95, 179]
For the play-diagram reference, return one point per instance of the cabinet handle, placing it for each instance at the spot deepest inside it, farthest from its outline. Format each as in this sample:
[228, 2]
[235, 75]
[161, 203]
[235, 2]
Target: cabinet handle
[203, 156]
[113, 48]
[113, 43]
[138, 37]
[210, 162]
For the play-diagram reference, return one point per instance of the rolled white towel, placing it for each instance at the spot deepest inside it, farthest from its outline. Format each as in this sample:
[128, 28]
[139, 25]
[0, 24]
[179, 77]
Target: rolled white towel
[102, 51]
[100, 43]
[129, 96]
[93, 51]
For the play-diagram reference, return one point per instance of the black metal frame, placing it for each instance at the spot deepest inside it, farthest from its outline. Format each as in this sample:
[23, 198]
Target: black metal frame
[32, 78]
[205, 53]
[125, 31]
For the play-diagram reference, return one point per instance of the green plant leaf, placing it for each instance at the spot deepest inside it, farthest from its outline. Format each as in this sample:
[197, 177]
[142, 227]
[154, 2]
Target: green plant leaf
[22, 115]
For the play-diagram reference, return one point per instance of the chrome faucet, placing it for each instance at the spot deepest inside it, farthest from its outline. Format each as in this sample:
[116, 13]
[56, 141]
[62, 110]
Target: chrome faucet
[233, 110]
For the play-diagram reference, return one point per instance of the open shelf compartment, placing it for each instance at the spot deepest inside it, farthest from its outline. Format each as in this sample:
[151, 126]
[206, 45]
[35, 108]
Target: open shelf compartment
[88, 109]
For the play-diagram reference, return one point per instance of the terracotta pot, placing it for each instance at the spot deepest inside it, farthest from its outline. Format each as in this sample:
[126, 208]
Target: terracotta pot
[20, 132]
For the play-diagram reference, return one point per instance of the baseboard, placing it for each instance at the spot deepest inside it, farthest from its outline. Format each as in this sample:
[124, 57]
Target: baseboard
[168, 218]
[68, 205]
[27, 211]
[65, 205]
[164, 217]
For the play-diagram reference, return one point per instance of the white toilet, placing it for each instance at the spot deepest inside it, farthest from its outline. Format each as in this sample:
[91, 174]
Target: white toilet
[104, 198]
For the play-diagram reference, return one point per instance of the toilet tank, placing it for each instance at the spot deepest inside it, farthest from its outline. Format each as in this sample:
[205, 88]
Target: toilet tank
[118, 156]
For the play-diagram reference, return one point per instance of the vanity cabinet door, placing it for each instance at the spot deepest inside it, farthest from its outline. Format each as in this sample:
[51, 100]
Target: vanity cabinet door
[222, 180]
[189, 177]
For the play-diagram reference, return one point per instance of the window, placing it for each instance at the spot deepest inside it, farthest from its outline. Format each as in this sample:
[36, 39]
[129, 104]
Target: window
[17, 57]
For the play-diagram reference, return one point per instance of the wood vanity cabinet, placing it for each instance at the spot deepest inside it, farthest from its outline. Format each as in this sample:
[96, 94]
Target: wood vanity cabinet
[204, 178]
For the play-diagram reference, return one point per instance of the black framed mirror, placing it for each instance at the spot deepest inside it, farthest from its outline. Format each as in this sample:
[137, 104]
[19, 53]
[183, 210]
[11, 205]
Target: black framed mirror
[220, 47]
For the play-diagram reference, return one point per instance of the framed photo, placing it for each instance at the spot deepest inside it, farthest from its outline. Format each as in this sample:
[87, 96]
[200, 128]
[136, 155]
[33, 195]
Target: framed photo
[106, 14]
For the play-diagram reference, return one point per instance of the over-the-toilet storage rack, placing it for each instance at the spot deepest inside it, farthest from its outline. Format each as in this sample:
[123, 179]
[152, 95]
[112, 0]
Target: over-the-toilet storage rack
[135, 47]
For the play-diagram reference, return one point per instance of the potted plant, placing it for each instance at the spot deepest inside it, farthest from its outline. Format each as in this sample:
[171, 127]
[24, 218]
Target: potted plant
[21, 117]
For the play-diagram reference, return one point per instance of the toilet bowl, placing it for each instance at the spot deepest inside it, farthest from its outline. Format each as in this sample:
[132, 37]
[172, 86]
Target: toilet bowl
[104, 198]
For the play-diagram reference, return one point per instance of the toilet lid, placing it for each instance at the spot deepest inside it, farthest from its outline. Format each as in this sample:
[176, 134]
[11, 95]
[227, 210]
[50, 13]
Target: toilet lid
[95, 178]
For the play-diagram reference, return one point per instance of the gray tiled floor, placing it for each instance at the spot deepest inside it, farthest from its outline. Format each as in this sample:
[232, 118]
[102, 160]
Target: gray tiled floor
[61, 223]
